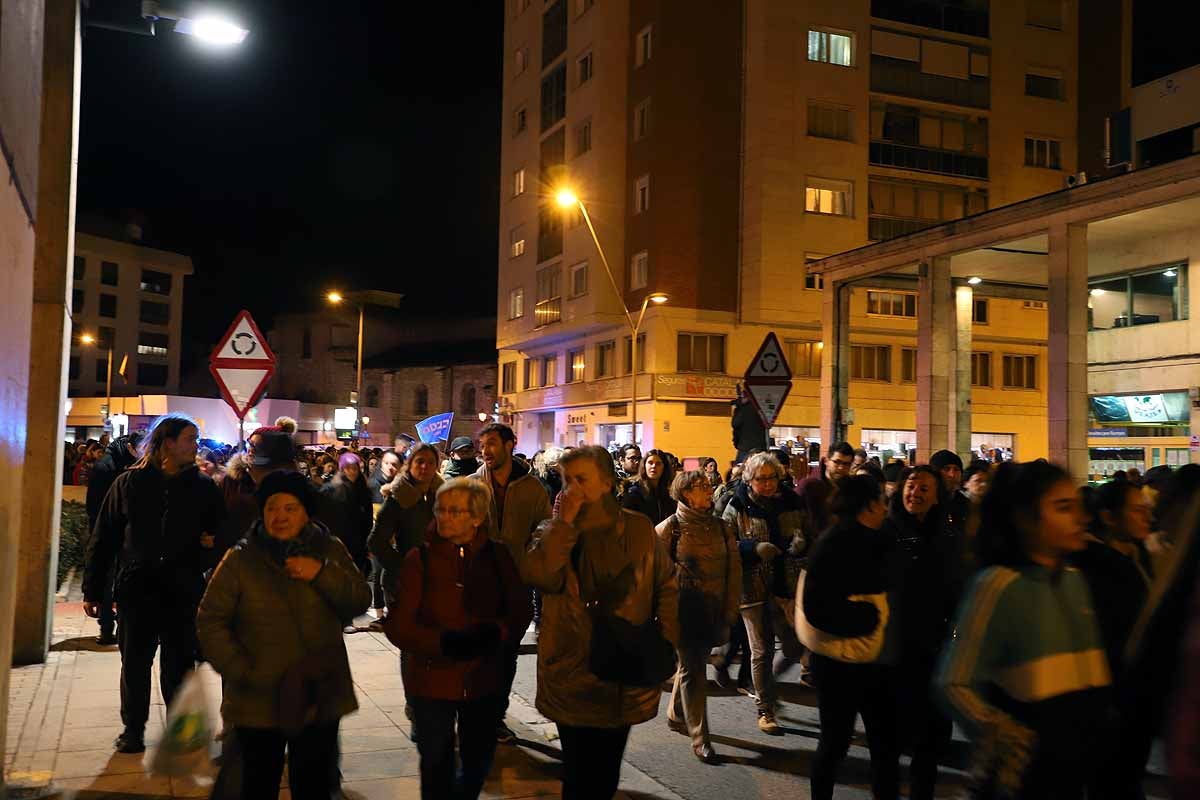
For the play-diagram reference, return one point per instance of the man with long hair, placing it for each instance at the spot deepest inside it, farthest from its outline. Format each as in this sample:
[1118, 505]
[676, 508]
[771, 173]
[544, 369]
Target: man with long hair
[160, 517]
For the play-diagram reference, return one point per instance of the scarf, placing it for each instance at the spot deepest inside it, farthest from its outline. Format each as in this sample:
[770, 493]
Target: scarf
[604, 565]
[307, 543]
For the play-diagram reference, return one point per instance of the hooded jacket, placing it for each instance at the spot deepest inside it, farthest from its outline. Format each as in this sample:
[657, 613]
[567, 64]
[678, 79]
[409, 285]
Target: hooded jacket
[400, 525]
[526, 505]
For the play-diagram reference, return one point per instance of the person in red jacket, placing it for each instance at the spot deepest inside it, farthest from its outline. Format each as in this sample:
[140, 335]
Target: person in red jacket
[463, 604]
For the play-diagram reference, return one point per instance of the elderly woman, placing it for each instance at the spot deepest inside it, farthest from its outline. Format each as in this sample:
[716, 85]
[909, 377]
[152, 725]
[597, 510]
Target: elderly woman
[709, 571]
[406, 513]
[771, 524]
[463, 601]
[271, 624]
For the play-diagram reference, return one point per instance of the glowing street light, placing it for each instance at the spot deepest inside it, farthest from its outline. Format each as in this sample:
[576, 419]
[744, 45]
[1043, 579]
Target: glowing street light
[974, 280]
[362, 299]
[88, 339]
[208, 27]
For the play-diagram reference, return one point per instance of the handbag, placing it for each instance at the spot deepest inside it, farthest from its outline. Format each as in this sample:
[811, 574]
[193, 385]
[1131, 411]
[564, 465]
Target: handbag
[848, 649]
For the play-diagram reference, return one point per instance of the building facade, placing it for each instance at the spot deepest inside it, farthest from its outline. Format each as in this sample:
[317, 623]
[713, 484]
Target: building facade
[719, 154]
[127, 297]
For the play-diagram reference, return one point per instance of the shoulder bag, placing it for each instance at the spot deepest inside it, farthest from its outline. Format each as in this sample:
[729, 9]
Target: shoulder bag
[848, 649]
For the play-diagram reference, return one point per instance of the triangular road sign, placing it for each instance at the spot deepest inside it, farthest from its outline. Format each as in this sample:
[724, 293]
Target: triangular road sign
[242, 364]
[768, 398]
[241, 387]
[243, 342]
[769, 363]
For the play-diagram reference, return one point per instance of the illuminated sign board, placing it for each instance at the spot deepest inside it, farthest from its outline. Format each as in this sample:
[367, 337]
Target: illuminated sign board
[1166, 408]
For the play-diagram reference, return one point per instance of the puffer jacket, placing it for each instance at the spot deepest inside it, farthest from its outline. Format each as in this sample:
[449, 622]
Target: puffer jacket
[525, 506]
[255, 622]
[449, 588]
[709, 571]
[567, 691]
[780, 520]
[401, 524]
[345, 508]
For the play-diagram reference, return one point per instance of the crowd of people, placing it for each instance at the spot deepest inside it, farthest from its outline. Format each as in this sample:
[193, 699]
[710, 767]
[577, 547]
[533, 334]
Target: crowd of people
[1055, 625]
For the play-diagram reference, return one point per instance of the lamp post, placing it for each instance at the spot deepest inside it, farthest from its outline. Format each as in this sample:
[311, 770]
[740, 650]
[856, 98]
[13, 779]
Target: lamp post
[87, 338]
[567, 200]
[362, 300]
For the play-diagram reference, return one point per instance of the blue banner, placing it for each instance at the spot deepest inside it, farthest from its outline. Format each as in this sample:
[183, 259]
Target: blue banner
[435, 428]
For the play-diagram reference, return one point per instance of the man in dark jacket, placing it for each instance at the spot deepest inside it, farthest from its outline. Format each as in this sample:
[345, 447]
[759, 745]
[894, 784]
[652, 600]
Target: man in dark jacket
[462, 462]
[749, 433]
[160, 516]
[118, 457]
[816, 493]
[389, 464]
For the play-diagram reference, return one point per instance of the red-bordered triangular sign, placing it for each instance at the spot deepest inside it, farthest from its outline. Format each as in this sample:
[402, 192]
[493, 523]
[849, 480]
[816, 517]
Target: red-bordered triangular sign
[769, 363]
[242, 364]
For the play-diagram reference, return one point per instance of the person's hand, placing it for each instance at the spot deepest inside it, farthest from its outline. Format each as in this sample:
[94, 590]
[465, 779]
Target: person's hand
[766, 551]
[208, 541]
[91, 609]
[303, 568]
[386, 490]
[797, 546]
[570, 501]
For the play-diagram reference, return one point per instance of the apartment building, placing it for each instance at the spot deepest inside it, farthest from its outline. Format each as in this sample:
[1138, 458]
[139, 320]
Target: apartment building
[127, 297]
[719, 153]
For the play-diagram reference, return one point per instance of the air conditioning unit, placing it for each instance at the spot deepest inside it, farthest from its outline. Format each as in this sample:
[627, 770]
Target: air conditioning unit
[1078, 179]
[1035, 304]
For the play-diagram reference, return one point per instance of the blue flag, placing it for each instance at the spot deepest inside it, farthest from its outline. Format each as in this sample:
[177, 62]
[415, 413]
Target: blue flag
[435, 428]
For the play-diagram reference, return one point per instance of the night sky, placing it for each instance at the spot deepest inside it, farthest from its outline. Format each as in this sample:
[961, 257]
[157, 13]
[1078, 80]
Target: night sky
[350, 143]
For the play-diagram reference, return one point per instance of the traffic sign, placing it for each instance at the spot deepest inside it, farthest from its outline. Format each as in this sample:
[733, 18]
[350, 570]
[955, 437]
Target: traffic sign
[769, 363]
[768, 398]
[768, 379]
[242, 364]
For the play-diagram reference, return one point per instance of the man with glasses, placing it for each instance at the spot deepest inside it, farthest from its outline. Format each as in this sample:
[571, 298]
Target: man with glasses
[628, 467]
[815, 493]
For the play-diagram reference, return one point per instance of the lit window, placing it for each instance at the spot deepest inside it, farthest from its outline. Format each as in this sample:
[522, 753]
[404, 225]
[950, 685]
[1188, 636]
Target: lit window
[641, 121]
[606, 358]
[575, 366]
[579, 279]
[516, 240]
[508, 377]
[549, 366]
[516, 303]
[1020, 372]
[891, 304]
[155, 282]
[641, 195]
[645, 45]
[152, 344]
[1043, 153]
[831, 47]
[519, 182]
[531, 373]
[981, 369]
[583, 68]
[871, 362]
[549, 296]
[639, 270]
[1145, 297]
[700, 352]
[823, 196]
[804, 357]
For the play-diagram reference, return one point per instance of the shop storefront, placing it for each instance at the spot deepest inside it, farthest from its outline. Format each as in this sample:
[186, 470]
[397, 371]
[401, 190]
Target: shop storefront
[1138, 431]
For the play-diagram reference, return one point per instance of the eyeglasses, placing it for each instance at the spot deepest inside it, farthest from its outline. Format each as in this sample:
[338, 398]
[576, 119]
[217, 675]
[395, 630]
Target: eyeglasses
[768, 479]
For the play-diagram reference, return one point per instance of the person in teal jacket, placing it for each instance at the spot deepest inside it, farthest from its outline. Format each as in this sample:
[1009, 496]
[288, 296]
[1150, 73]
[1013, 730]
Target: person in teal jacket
[1025, 672]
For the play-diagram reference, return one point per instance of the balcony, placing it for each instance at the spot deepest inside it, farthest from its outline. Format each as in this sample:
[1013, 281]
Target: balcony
[905, 78]
[928, 159]
[880, 228]
[547, 312]
[945, 16]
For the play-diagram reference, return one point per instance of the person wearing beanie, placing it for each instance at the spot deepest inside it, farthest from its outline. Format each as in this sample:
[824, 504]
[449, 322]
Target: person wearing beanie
[270, 623]
[462, 462]
[345, 507]
[286, 424]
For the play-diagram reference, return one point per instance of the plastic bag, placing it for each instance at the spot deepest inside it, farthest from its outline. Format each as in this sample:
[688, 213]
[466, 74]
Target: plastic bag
[185, 749]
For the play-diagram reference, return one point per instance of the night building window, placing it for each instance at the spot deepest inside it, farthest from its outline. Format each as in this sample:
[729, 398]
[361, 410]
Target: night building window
[981, 370]
[575, 364]
[639, 270]
[831, 47]
[1044, 14]
[74, 369]
[641, 121]
[908, 365]
[554, 96]
[109, 273]
[549, 366]
[77, 299]
[979, 311]
[700, 352]
[814, 281]
[554, 32]
[152, 344]
[155, 282]
[641, 195]
[101, 370]
[871, 362]
[644, 49]
[1020, 372]
[891, 304]
[520, 60]
[106, 337]
[579, 279]
[824, 196]
[530, 371]
[583, 138]
[421, 400]
[1044, 83]
[516, 303]
[1158, 294]
[373, 396]
[468, 401]
[508, 377]
[583, 68]
[1043, 153]
[516, 242]
[155, 313]
[152, 374]
[804, 358]
[549, 296]
[80, 268]
[520, 120]
[641, 353]
[519, 182]
[606, 356]
[829, 122]
[108, 305]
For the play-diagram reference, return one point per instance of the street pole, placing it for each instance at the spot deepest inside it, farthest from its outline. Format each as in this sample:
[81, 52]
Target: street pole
[358, 379]
[108, 388]
[634, 370]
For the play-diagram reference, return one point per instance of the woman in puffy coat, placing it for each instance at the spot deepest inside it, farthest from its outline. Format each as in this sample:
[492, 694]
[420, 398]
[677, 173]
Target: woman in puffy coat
[406, 514]
[709, 571]
[271, 624]
[463, 603]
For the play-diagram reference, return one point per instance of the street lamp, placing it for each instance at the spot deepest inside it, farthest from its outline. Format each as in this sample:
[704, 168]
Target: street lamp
[88, 339]
[568, 200]
[362, 300]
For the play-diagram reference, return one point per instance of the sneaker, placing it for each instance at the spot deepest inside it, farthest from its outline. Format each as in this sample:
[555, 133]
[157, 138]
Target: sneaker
[768, 725]
[128, 742]
[504, 734]
[106, 639]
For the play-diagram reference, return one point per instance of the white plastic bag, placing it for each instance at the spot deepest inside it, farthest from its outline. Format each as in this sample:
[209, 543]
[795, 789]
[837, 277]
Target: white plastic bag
[185, 747]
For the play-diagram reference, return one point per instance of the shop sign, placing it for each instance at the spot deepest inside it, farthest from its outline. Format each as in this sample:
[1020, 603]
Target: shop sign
[1107, 433]
[673, 384]
[576, 419]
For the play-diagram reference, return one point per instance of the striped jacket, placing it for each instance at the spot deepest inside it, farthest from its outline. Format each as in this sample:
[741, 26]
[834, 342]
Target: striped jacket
[1027, 676]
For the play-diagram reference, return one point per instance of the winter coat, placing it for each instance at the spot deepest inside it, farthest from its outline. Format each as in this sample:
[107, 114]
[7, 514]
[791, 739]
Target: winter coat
[815, 494]
[460, 468]
[255, 622]
[400, 525]
[449, 588]
[568, 692]
[1119, 593]
[708, 570]
[749, 433]
[525, 507]
[151, 523]
[241, 507]
[848, 559]
[116, 459]
[345, 508]
[782, 522]
[656, 505]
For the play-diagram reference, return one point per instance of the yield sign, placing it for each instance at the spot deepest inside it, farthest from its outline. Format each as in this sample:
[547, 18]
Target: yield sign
[768, 379]
[242, 364]
[768, 398]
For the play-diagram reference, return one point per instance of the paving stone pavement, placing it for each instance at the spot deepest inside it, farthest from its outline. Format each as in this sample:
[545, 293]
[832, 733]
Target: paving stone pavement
[65, 713]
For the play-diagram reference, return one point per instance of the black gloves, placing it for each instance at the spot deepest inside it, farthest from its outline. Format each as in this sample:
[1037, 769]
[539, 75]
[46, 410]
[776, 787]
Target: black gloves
[471, 642]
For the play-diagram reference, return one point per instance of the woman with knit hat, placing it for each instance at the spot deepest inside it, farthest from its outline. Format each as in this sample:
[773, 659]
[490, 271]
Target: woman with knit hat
[345, 508]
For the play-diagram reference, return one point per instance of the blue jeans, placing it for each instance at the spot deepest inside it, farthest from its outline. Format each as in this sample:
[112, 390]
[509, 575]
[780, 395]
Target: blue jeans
[433, 726]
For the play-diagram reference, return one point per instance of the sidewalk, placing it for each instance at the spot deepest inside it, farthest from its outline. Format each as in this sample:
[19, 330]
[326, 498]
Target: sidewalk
[64, 715]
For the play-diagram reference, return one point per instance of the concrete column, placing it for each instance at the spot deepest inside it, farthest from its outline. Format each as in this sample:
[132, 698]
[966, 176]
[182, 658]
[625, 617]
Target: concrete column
[935, 347]
[49, 348]
[835, 361]
[1066, 381]
[960, 386]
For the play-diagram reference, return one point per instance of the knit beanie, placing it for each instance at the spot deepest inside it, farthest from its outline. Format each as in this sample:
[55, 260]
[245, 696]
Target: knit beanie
[292, 483]
[945, 458]
[349, 458]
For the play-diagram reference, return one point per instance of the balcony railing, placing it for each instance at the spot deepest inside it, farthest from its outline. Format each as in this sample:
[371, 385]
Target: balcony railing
[905, 78]
[881, 228]
[547, 312]
[934, 14]
[928, 159]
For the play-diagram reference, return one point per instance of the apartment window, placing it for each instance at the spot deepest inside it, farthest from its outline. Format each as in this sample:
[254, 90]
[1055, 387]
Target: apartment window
[80, 268]
[516, 303]
[530, 370]
[979, 311]
[1020, 372]
[306, 343]
[606, 359]
[109, 273]
[77, 298]
[508, 377]
[804, 358]
[554, 31]
[152, 344]
[627, 358]
[831, 47]
[824, 196]
[1157, 294]
[575, 366]
[641, 121]
[516, 242]
[583, 68]
[583, 137]
[554, 96]
[155, 282]
[981, 369]
[891, 304]
[152, 374]
[1043, 153]
[897, 208]
[549, 370]
[520, 60]
[1044, 14]
[645, 46]
[549, 296]
[828, 122]
[908, 365]
[579, 279]
[106, 337]
[639, 270]
[421, 400]
[519, 182]
[1044, 83]
[581, 6]
[871, 362]
[520, 120]
[108, 305]
[813, 281]
[75, 368]
[641, 195]
[700, 352]
[154, 313]
[101, 370]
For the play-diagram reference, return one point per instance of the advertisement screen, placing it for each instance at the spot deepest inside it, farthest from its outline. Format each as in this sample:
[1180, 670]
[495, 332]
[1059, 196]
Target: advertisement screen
[345, 418]
[1165, 408]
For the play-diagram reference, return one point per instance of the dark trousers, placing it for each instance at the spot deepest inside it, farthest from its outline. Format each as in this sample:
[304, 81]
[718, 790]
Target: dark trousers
[510, 674]
[843, 692]
[591, 761]
[312, 755]
[377, 596]
[147, 624]
[927, 731]
[434, 722]
[108, 617]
